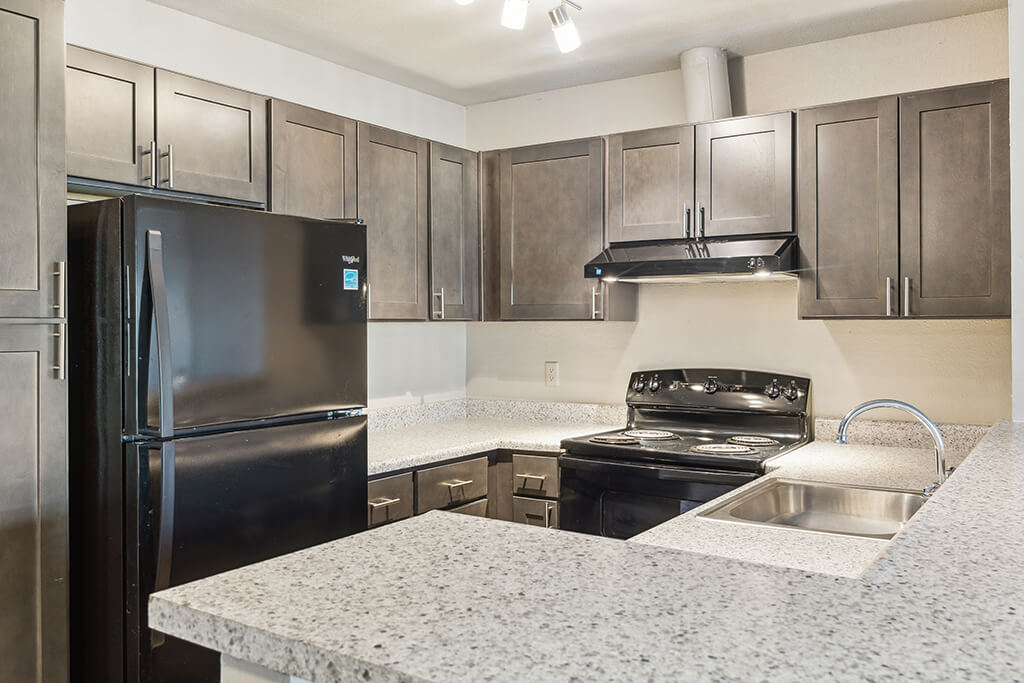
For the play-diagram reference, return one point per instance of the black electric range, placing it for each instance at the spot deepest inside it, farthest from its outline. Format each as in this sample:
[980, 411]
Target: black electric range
[691, 436]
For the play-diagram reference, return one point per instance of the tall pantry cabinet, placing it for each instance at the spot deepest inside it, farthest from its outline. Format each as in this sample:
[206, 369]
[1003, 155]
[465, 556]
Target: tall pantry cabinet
[33, 392]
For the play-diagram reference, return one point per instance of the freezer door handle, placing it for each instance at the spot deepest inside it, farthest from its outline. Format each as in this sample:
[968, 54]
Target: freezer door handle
[157, 291]
[165, 539]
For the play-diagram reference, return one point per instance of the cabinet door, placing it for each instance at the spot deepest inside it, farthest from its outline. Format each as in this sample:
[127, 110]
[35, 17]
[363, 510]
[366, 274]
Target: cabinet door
[33, 506]
[744, 177]
[848, 208]
[32, 172]
[213, 138]
[392, 189]
[110, 133]
[454, 234]
[552, 210]
[650, 184]
[955, 201]
[313, 162]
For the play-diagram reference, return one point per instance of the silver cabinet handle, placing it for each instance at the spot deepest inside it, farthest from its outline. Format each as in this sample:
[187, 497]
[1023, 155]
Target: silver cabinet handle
[538, 477]
[383, 502]
[888, 296]
[439, 313]
[60, 365]
[170, 165]
[61, 272]
[547, 515]
[457, 483]
[699, 232]
[686, 220]
[151, 152]
[595, 308]
[906, 296]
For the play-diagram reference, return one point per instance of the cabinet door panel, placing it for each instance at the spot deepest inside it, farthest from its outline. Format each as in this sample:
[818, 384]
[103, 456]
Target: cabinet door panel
[454, 234]
[219, 138]
[954, 180]
[848, 208]
[551, 225]
[33, 507]
[744, 175]
[392, 189]
[110, 121]
[650, 184]
[313, 162]
[32, 170]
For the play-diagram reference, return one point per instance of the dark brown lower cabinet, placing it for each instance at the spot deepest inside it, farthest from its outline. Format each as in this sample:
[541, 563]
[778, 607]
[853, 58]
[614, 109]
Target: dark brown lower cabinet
[848, 208]
[955, 202]
[33, 505]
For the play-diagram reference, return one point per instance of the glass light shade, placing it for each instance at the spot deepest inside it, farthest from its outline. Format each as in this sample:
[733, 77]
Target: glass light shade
[567, 37]
[514, 14]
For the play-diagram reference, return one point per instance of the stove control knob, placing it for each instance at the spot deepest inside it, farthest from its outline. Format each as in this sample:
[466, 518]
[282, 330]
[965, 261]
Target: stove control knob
[791, 393]
[773, 390]
[639, 384]
[655, 384]
[711, 385]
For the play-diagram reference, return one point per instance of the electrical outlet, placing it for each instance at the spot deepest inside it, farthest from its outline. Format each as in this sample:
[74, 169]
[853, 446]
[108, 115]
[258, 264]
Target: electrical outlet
[551, 373]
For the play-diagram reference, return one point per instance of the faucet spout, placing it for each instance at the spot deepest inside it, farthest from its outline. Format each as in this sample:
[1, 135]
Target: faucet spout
[933, 430]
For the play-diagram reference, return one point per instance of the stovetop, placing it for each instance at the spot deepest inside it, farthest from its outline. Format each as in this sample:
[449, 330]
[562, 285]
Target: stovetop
[707, 407]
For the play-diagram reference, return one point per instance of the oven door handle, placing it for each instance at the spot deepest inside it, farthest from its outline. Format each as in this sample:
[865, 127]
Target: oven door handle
[660, 472]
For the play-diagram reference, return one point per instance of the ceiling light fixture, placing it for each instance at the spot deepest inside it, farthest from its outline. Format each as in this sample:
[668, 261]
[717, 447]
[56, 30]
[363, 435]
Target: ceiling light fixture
[566, 35]
[463, 2]
[514, 14]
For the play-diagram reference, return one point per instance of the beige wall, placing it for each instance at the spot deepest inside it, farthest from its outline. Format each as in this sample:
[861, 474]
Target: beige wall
[956, 371]
[1017, 198]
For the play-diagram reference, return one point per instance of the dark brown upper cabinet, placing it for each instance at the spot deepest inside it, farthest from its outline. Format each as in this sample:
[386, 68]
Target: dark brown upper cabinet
[33, 230]
[848, 208]
[551, 218]
[110, 122]
[393, 192]
[650, 184]
[313, 162]
[454, 233]
[213, 138]
[955, 201]
[744, 175]
[132, 124]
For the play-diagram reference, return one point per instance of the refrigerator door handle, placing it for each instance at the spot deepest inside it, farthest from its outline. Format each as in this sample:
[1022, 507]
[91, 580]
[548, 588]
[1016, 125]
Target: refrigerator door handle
[161, 315]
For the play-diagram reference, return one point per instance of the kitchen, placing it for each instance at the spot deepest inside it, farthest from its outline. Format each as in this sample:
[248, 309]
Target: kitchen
[471, 364]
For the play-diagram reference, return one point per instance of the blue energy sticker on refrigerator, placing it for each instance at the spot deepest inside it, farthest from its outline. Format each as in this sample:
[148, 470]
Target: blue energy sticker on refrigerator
[351, 278]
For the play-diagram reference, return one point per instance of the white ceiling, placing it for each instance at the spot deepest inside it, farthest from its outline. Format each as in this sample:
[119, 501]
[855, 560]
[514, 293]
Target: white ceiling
[462, 54]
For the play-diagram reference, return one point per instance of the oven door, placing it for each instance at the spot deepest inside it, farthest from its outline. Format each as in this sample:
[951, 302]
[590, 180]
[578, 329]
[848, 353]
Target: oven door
[620, 500]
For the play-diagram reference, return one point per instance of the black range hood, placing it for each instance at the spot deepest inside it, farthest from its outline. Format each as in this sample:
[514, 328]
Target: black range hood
[668, 260]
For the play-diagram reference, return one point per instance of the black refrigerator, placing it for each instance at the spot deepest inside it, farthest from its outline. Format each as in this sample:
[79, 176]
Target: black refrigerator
[217, 399]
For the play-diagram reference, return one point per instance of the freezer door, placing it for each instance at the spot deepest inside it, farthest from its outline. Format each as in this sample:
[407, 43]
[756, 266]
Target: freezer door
[265, 315]
[238, 498]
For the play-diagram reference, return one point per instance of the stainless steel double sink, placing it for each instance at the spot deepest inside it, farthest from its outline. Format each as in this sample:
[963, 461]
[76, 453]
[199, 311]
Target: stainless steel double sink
[848, 510]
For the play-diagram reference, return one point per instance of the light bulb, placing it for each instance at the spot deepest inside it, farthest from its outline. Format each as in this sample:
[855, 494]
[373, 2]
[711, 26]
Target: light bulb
[514, 14]
[566, 35]
[463, 2]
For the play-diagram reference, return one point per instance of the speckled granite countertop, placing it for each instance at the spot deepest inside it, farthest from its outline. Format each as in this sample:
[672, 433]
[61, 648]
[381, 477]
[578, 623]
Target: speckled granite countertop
[450, 597]
[397, 449]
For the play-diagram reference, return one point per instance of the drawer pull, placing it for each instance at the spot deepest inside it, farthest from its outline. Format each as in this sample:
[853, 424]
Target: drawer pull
[547, 515]
[535, 477]
[457, 483]
[384, 502]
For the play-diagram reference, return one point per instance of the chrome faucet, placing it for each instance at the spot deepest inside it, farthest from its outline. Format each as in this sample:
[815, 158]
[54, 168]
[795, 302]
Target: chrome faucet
[940, 446]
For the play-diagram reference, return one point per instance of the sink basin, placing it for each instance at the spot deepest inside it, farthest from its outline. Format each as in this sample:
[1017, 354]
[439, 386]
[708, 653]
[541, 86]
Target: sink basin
[827, 508]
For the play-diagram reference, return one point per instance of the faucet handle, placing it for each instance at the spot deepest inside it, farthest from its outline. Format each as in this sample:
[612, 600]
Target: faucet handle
[792, 392]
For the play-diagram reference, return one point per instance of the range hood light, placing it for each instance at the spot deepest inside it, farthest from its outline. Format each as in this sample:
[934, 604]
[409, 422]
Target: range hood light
[514, 14]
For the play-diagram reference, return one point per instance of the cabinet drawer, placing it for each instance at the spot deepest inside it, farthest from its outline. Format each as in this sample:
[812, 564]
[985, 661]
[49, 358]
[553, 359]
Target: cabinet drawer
[478, 508]
[535, 512]
[535, 475]
[448, 485]
[389, 499]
